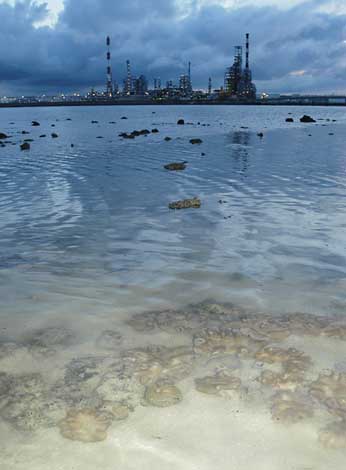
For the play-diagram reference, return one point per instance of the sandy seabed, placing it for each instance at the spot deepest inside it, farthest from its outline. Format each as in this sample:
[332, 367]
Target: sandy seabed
[211, 385]
[109, 358]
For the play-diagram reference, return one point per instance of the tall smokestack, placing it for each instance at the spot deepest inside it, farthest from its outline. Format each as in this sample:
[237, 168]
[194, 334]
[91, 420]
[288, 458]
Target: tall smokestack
[129, 78]
[109, 88]
[247, 50]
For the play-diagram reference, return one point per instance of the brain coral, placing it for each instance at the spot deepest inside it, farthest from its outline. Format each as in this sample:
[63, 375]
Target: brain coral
[218, 384]
[334, 435]
[290, 408]
[85, 425]
[226, 341]
[330, 389]
[162, 395]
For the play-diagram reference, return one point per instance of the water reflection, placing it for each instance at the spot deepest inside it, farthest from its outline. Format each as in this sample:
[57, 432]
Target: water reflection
[240, 141]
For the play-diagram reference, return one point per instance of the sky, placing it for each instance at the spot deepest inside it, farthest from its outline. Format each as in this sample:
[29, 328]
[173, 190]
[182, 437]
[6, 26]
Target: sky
[58, 46]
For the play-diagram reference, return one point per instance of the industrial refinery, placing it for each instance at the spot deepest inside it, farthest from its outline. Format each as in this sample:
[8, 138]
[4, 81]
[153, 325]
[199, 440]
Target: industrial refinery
[134, 88]
[238, 84]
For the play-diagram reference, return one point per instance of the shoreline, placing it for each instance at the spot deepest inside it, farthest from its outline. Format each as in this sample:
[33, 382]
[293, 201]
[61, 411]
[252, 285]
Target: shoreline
[167, 103]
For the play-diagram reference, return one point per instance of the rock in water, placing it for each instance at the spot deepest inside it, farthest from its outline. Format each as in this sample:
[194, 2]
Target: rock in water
[289, 120]
[167, 139]
[124, 135]
[186, 204]
[260, 134]
[196, 141]
[181, 122]
[306, 118]
[3, 136]
[35, 123]
[155, 131]
[175, 166]
[54, 135]
[25, 146]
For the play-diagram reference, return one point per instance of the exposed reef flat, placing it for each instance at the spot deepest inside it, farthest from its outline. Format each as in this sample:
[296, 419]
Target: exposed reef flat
[226, 352]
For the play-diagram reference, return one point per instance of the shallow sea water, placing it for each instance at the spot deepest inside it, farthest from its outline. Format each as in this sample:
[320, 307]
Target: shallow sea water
[107, 296]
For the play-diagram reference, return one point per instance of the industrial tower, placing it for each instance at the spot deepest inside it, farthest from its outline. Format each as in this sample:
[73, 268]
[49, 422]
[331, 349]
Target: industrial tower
[238, 81]
[128, 88]
[247, 89]
[185, 83]
[109, 86]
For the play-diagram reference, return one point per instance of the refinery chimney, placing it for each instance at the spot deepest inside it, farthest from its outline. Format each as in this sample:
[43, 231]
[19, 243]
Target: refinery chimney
[128, 78]
[109, 86]
[247, 51]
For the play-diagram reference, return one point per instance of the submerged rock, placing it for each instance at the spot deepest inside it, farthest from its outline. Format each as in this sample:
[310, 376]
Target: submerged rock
[162, 395]
[307, 119]
[260, 134]
[196, 141]
[84, 373]
[27, 403]
[175, 166]
[185, 204]
[25, 146]
[43, 135]
[47, 340]
[125, 135]
[167, 139]
[109, 339]
[85, 425]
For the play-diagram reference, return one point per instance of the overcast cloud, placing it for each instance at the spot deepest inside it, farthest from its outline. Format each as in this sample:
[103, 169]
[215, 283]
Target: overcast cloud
[297, 45]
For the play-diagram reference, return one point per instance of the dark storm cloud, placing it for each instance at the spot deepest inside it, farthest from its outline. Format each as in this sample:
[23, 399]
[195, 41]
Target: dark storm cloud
[299, 49]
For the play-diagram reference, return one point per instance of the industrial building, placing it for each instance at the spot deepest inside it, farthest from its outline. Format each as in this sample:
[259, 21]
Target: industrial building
[238, 80]
[185, 83]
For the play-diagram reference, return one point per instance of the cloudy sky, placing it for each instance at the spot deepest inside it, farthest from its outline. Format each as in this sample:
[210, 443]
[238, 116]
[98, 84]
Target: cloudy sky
[59, 45]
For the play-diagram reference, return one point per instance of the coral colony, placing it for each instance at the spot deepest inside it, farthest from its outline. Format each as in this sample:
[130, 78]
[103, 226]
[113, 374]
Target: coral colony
[228, 352]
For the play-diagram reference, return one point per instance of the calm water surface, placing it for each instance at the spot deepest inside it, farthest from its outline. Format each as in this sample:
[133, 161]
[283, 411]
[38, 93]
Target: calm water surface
[87, 237]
